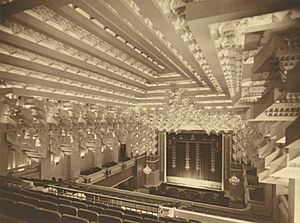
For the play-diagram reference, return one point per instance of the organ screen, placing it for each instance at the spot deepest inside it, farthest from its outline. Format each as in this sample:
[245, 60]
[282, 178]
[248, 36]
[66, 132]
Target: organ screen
[195, 160]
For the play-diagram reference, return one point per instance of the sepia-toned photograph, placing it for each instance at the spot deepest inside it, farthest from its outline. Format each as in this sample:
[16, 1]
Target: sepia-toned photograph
[150, 111]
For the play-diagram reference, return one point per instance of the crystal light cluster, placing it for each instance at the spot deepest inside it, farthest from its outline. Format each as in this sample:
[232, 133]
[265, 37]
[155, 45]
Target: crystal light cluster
[180, 111]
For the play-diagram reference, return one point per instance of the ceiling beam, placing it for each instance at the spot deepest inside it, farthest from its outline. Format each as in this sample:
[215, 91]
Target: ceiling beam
[50, 31]
[274, 26]
[151, 10]
[194, 93]
[253, 34]
[56, 85]
[202, 35]
[91, 27]
[17, 62]
[198, 105]
[167, 86]
[41, 50]
[123, 9]
[15, 7]
[167, 79]
[118, 26]
[215, 11]
[53, 95]
[200, 14]
[199, 99]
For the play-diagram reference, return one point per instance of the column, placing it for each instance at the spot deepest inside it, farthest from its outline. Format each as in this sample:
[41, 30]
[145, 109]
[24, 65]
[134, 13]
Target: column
[294, 200]
[3, 151]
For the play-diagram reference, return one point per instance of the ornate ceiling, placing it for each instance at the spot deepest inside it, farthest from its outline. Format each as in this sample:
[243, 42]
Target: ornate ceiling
[129, 53]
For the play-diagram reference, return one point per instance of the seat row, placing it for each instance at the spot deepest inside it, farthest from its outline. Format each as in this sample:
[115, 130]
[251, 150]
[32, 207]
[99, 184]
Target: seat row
[58, 209]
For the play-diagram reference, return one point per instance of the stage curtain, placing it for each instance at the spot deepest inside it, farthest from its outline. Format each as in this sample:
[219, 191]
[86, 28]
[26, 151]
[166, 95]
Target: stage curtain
[204, 170]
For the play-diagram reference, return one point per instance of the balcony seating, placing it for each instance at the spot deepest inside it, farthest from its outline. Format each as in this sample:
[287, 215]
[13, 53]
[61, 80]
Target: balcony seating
[109, 164]
[33, 201]
[7, 206]
[4, 194]
[114, 208]
[64, 201]
[185, 193]
[49, 205]
[90, 171]
[167, 219]
[104, 206]
[17, 197]
[87, 214]
[79, 204]
[72, 219]
[50, 198]
[112, 212]
[41, 207]
[47, 216]
[128, 221]
[109, 219]
[25, 211]
[66, 209]
[96, 208]
[130, 212]
[133, 217]
[149, 220]
[149, 216]
[35, 195]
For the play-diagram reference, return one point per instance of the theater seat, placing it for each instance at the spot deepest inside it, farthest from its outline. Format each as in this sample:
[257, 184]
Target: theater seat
[64, 201]
[73, 219]
[104, 206]
[66, 209]
[95, 208]
[7, 206]
[47, 216]
[50, 198]
[25, 211]
[168, 220]
[149, 220]
[114, 213]
[88, 202]
[4, 194]
[79, 204]
[115, 208]
[90, 215]
[109, 219]
[34, 194]
[130, 212]
[48, 205]
[31, 200]
[132, 218]
[128, 221]
[17, 197]
[149, 216]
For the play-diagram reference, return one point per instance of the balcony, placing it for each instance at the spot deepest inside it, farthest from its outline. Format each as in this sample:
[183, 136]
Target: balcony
[109, 175]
